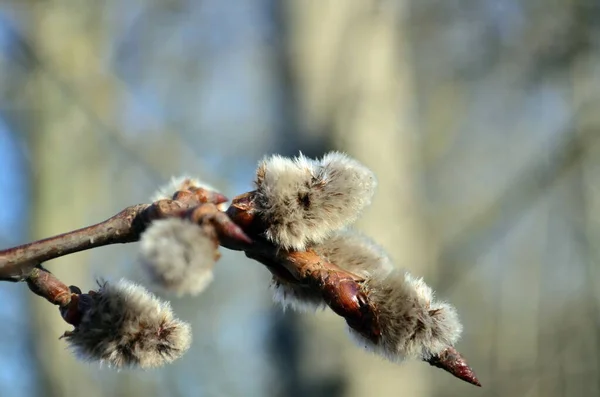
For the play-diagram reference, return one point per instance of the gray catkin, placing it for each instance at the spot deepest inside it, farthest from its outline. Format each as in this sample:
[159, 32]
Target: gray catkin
[302, 201]
[178, 256]
[126, 326]
[413, 324]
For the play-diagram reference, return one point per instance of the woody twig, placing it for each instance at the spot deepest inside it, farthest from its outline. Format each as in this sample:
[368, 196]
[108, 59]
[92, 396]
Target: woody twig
[269, 230]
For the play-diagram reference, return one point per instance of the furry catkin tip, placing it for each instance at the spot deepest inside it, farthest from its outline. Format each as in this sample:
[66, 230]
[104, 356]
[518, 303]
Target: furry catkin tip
[302, 200]
[178, 256]
[124, 325]
[413, 324]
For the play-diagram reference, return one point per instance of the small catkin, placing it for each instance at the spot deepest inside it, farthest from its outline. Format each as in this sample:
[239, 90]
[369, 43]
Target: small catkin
[413, 324]
[347, 249]
[124, 325]
[303, 201]
[178, 256]
[178, 183]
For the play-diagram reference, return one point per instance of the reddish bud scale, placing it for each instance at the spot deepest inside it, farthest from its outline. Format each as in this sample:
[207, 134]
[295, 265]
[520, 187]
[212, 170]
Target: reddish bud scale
[208, 196]
[200, 195]
[240, 211]
[185, 196]
[345, 297]
[71, 313]
[243, 213]
[80, 303]
[340, 289]
[225, 228]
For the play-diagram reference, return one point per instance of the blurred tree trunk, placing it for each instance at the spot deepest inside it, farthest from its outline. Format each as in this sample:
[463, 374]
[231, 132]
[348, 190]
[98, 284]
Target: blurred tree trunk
[583, 357]
[68, 95]
[351, 66]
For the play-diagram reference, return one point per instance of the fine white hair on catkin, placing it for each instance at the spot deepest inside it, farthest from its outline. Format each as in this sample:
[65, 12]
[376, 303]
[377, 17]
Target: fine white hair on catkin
[347, 249]
[303, 201]
[177, 183]
[413, 324]
[178, 256]
[355, 252]
[126, 326]
[296, 297]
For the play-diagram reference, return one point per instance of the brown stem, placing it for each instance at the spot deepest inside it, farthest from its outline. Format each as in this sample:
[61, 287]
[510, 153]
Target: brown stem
[238, 229]
[43, 283]
[18, 261]
[125, 227]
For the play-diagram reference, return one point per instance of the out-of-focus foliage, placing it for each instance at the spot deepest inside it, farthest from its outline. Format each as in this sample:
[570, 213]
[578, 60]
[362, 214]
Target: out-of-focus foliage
[478, 116]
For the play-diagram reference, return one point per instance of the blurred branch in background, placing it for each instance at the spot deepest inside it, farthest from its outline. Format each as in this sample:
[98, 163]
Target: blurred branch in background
[67, 161]
[524, 192]
[501, 146]
[28, 57]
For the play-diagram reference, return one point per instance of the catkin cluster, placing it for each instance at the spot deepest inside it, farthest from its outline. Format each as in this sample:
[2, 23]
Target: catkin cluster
[176, 254]
[124, 325]
[311, 204]
[301, 204]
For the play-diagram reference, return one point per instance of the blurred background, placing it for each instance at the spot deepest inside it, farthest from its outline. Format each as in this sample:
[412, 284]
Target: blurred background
[480, 118]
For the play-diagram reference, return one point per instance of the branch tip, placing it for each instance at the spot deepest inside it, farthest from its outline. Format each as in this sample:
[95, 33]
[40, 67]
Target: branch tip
[450, 360]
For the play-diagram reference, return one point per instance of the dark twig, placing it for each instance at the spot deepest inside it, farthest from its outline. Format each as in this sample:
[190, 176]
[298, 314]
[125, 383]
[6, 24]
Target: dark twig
[121, 228]
[125, 227]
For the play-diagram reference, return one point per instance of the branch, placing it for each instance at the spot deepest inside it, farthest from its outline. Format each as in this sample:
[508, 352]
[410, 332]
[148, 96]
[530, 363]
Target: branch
[125, 227]
[238, 229]
[16, 263]
[43, 283]
[342, 292]
[340, 289]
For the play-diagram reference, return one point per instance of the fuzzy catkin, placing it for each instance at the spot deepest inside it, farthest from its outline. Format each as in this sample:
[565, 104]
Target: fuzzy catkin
[126, 326]
[302, 201]
[178, 256]
[347, 249]
[413, 324]
[355, 252]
